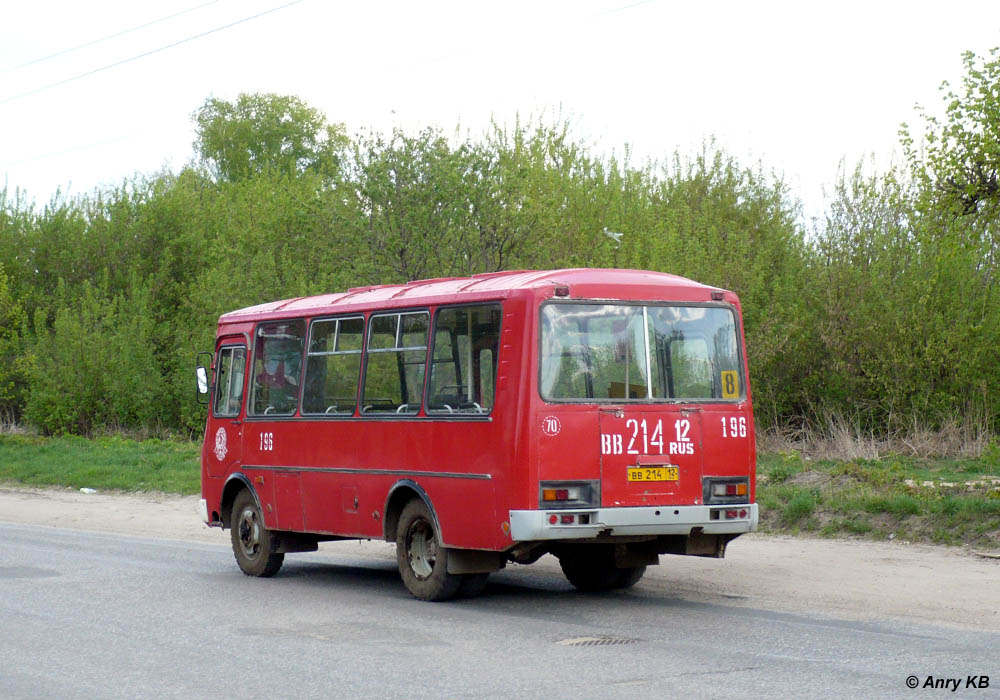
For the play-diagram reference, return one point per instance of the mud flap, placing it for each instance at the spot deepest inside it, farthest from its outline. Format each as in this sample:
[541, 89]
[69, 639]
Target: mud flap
[697, 544]
[285, 542]
[701, 545]
[474, 561]
[627, 557]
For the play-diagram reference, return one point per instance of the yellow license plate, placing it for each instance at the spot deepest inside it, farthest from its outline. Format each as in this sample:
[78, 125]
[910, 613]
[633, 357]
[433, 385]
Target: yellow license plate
[652, 474]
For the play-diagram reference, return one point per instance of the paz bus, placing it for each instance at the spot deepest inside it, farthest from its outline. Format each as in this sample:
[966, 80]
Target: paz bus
[601, 416]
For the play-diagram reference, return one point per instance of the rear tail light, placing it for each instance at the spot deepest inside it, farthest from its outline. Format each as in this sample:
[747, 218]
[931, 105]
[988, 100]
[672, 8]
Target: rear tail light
[569, 518]
[568, 494]
[730, 489]
[728, 514]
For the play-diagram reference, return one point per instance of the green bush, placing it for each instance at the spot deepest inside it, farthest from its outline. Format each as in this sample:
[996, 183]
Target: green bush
[15, 361]
[97, 367]
[801, 506]
[902, 505]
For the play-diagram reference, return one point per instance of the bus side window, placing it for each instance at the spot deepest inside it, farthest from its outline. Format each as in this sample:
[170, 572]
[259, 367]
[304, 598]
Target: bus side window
[333, 367]
[394, 368]
[229, 381]
[463, 369]
[277, 368]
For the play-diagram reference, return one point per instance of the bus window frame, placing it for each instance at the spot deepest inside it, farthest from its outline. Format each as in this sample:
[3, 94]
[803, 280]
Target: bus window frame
[443, 415]
[250, 416]
[369, 319]
[669, 365]
[231, 345]
[361, 367]
[740, 356]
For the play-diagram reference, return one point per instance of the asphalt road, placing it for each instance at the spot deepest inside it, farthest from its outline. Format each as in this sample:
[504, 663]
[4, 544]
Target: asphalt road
[85, 615]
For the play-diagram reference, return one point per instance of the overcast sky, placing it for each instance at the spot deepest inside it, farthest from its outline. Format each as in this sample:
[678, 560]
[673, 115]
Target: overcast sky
[798, 86]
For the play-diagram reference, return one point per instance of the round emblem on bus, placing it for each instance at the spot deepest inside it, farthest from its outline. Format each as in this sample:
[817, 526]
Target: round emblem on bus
[220, 444]
[551, 426]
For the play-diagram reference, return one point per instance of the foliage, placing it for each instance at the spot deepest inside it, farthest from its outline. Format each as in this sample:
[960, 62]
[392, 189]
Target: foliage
[905, 294]
[13, 358]
[960, 154]
[885, 311]
[96, 367]
[266, 133]
[411, 195]
[799, 507]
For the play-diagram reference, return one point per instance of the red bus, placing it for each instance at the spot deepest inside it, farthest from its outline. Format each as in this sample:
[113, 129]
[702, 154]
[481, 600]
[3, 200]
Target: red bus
[602, 416]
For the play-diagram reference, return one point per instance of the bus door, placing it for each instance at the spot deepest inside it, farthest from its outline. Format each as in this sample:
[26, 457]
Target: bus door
[226, 423]
[650, 457]
[272, 442]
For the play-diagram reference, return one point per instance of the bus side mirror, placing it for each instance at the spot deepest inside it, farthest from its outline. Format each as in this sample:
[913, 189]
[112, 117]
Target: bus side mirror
[201, 372]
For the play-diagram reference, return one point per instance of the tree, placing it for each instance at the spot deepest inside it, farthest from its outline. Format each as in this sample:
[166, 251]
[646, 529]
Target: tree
[956, 165]
[13, 362]
[725, 224]
[960, 155]
[262, 133]
[96, 368]
[412, 194]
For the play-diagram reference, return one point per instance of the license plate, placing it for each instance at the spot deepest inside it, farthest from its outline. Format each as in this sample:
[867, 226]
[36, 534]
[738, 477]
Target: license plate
[652, 474]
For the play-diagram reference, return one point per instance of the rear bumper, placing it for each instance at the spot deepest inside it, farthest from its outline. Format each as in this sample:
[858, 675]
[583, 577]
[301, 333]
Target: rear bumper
[530, 525]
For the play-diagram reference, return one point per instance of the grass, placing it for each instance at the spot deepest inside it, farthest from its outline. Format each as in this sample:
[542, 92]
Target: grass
[107, 463]
[954, 500]
[876, 498]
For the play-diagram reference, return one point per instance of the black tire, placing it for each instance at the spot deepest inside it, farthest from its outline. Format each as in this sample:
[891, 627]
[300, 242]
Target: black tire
[630, 576]
[472, 585]
[252, 542]
[423, 563]
[596, 571]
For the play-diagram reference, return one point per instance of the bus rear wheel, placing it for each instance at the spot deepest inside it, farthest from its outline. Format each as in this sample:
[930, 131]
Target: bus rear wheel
[472, 585]
[596, 571]
[252, 542]
[423, 563]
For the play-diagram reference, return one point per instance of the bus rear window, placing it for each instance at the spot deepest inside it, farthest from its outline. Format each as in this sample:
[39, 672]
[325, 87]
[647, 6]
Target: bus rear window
[623, 352]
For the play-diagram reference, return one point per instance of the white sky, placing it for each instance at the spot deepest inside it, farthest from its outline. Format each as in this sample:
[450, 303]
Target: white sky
[797, 85]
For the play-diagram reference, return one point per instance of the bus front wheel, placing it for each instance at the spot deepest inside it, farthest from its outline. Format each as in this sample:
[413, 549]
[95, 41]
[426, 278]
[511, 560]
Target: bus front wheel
[423, 563]
[252, 542]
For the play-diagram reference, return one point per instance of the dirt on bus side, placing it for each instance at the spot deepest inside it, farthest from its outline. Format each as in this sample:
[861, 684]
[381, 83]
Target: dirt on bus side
[846, 579]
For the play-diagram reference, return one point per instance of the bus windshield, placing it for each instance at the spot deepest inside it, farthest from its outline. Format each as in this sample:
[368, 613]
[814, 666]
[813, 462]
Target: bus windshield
[628, 352]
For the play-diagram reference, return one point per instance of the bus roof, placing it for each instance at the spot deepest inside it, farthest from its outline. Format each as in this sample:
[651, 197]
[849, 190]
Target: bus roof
[590, 283]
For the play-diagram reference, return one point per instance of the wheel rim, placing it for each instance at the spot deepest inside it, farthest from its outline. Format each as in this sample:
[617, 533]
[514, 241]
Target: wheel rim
[249, 533]
[421, 549]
